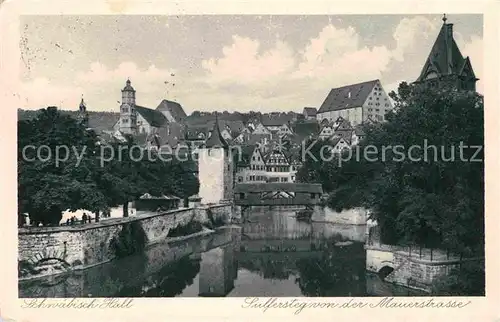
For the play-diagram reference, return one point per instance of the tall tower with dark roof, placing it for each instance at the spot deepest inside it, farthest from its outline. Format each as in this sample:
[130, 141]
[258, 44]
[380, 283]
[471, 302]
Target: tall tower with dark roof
[83, 115]
[128, 114]
[445, 66]
[215, 168]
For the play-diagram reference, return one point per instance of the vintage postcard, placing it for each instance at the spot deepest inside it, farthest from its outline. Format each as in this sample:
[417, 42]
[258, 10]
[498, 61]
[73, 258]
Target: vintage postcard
[261, 160]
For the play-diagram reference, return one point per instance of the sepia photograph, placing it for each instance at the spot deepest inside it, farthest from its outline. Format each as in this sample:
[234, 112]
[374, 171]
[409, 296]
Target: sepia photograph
[256, 155]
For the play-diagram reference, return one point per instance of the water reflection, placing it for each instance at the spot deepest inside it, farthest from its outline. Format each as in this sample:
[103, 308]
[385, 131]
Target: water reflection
[272, 255]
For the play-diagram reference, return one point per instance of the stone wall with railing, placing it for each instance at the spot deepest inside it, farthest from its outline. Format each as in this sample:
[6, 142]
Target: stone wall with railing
[82, 246]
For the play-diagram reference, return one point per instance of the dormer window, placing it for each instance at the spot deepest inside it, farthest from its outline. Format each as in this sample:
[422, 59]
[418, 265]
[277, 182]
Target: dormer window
[431, 75]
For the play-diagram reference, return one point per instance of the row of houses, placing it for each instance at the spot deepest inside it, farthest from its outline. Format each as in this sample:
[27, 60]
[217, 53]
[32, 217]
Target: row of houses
[276, 156]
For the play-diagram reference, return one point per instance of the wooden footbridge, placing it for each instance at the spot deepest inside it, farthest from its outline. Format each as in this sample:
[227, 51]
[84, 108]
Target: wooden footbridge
[277, 194]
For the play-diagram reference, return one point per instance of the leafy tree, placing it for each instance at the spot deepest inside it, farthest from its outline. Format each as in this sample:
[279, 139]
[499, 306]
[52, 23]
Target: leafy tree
[90, 176]
[48, 186]
[434, 199]
[467, 280]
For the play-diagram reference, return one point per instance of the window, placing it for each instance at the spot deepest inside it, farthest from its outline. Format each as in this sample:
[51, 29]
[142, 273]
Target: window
[312, 195]
[253, 158]
[377, 110]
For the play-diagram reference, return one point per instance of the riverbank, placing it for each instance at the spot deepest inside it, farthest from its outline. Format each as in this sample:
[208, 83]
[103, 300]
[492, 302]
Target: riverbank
[55, 250]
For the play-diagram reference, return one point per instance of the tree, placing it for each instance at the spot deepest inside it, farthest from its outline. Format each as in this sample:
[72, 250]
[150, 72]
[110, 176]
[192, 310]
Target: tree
[133, 171]
[51, 177]
[87, 175]
[436, 197]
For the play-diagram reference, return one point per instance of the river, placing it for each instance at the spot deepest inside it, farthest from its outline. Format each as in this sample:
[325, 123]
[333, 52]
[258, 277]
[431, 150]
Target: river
[271, 255]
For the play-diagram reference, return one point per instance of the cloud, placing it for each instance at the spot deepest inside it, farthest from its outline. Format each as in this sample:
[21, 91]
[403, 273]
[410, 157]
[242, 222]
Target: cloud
[99, 73]
[474, 49]
[41, 92]
[242, 63]
[412, 34]
[246, 76]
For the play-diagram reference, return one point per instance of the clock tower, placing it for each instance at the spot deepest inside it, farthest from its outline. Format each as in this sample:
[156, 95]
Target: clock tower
[128, 114]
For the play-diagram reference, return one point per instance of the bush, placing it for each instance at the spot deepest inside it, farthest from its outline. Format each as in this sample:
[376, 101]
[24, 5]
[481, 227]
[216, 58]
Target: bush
[131, 239]
[467, 280]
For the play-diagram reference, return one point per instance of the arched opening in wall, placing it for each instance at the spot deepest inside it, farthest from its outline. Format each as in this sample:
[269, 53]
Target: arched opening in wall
[385, 271]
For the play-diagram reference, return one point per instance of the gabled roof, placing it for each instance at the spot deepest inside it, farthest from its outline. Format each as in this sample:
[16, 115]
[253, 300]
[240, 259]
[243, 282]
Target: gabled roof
[345, 134]
[246, 155]
[344, 125]
[310, 111]
[347, 96]
[335, 140]
[153, 117]
[174, 108]
[445, 57]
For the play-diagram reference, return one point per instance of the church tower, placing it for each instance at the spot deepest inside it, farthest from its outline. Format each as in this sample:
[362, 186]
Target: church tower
[128, 114]
[445, 66]
[83, 115]
[215, 168]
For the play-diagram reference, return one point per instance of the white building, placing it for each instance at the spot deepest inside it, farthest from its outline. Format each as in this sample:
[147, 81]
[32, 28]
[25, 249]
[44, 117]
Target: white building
[356, 103]
[215, 169]
[251, 167]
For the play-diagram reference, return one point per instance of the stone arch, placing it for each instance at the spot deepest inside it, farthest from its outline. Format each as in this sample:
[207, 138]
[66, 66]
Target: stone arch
[386, 269]
[47, 262]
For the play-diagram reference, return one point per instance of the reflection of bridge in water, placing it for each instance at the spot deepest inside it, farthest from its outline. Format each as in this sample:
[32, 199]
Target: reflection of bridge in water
[280, 223]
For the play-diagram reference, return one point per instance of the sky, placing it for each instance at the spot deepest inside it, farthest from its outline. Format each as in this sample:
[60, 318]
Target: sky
[226, 62]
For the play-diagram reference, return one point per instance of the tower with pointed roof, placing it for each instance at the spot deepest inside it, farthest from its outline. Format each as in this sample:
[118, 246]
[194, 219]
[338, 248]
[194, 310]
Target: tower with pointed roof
[445, 66]
[128, 114]
[215, 168]
[83, 115]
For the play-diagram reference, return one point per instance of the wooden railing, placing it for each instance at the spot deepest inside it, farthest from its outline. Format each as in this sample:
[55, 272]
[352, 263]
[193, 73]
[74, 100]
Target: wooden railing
[276, 202]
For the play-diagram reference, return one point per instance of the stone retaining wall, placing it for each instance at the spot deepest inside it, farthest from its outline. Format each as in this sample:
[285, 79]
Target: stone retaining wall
[90, 244]
[355, 216]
